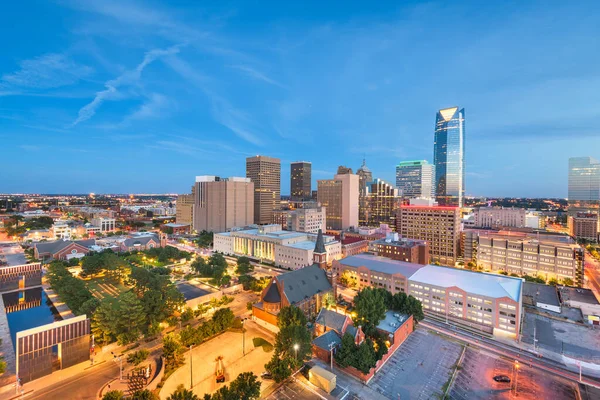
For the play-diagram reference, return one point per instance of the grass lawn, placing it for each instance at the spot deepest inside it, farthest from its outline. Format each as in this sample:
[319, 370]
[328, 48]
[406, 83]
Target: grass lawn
[103, 286]
[266, 346]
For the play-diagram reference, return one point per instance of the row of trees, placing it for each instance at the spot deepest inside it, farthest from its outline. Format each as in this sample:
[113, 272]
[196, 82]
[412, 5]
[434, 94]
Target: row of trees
[70, 289]
[292, 343]
[215, 267]
[222, 320]
[362, 357]
[17, 225]
[153, 299]
[106, 261]
[246, 386]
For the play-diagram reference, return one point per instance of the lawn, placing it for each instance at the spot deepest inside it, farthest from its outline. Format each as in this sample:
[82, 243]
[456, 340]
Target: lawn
[103, 286]
[260, 342]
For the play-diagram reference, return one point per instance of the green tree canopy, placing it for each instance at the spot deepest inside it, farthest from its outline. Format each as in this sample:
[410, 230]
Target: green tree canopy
[370, 307]
[182, 393]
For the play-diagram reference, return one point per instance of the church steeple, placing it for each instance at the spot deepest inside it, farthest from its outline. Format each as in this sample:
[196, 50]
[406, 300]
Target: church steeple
[320, 253]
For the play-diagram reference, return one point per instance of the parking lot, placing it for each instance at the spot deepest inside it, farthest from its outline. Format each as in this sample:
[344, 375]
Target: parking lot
[572, 340]
[293, 390]
[419, 368]
[475, 380]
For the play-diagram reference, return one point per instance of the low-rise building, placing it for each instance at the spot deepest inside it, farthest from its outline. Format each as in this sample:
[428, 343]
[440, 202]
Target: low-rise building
[62, 249]
[541, 296]
[491, 302]
[352, 245]
[304, 288]
[105, 224]
[62, 230]
[177, 228]
[287, 249]
[550, 256]
[492, 217]
[585, 300]
[402, 249]
[143, 241]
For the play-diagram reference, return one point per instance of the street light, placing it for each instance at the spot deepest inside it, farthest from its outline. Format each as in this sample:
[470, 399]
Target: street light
[120, 360]
[191, 370]
[243, 337]
[517, 366]
[296, 347]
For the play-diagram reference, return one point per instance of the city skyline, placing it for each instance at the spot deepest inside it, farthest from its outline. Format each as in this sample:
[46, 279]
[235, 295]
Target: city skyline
[87, 104]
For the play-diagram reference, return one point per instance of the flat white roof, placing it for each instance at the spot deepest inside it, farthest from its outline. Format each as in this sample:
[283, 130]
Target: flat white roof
[480, 283]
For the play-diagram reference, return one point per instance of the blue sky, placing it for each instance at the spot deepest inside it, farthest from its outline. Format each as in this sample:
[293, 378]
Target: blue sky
[119, 97]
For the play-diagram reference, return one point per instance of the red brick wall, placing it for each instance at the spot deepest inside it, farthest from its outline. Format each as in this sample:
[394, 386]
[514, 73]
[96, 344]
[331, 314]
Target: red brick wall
[265, 316]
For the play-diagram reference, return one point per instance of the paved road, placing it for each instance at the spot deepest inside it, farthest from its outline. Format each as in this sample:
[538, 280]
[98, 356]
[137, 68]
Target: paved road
[510, 351]
[83, 386]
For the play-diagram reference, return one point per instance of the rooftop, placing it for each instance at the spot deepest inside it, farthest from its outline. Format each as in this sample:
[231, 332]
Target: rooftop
[392, 321]
[401, 242]
[381, 264]
[579, 295]
[326, 339]
[541, 293]
[304, 283]
[174, 225]
[481, 283]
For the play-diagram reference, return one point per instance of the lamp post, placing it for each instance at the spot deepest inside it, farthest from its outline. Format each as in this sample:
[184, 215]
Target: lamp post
[296, 347]
[243, 337]
[120, 360]
[516, 377]
[191, 370]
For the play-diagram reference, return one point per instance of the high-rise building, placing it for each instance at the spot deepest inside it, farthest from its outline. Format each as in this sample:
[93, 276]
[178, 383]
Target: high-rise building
[379, 204]
[265, 173]
[584, 185]
[344, 170]
[449, 156]
[222, 203]
[185, 209]
[439, 226]
[340, 198]
[415, 179]
[300, 180]
[364, 176]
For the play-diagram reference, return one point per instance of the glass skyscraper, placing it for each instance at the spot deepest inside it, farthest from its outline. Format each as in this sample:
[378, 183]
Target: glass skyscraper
[449, 156]
[584, 185]
[415, 179]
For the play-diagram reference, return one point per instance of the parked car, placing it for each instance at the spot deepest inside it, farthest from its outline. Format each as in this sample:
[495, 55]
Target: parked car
[502, 378]
[266, 375]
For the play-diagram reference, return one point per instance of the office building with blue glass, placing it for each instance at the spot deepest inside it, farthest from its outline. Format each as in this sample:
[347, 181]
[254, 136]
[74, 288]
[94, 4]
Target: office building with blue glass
[449, 156]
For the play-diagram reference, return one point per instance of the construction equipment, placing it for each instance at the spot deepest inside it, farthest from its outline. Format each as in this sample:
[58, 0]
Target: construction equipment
[220, 372]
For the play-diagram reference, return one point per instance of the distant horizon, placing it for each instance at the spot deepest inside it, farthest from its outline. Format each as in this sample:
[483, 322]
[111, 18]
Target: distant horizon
[122, 96]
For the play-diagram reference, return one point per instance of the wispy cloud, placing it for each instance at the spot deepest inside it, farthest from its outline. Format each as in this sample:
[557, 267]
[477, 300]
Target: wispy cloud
[222, 111]
[253, 73]
[28, 147]
[154, 107]
[128, 78]
[46, 72]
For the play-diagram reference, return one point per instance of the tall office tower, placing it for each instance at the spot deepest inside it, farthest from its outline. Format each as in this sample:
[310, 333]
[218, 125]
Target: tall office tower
[584, 185]
[265, 172]
[381, 200]
[364, 176]
[440, 226]
[449, 156]
[300, 180]
[222, 203]
[340, 198]
[185, 209]
[415, 179]
[344, 170]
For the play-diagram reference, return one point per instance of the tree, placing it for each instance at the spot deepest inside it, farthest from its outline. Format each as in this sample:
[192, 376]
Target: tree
[92, 265]
[131, 320]
[172, 352]
[567, 281]
[279, 368]
[223, 318]
[103, 322]
[137, 357]
[348, 279]
[346, 354]
[243, 266]
[246, 386]
[182, 393]
[370, 308]
[89, 306]
[553, 282]
[113, 395]
[200, 266]
[365, 356]
[144, 395]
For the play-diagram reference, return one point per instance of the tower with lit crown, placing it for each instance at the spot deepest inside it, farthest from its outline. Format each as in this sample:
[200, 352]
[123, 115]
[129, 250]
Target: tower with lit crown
[449, 156]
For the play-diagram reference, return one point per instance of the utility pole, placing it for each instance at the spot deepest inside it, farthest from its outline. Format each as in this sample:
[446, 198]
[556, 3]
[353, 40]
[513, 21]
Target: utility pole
[191, 370]
[120, 360]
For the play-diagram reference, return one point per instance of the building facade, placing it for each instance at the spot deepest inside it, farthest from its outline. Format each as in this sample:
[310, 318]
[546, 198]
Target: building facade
[491, 302]
[221, 204]
[492, 217]
[415, 179]
[521, 254]
[286, 249]
[438, 226]
[402, 249]
[379, 203]
[105, 224]
[449, 156]
[340, 197]
[300, 180]
[584, 226]
[309, 220]
[184, 212]
[584, 185]
[265, 173]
